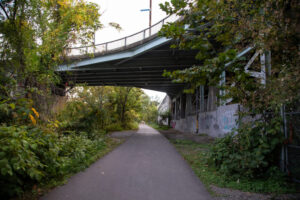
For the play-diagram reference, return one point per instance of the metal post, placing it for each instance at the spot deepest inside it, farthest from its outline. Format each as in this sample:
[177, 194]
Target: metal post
[202, 99]
[268, 63]
[125, 42]
[175, 109]
[284, 155]
[263, 68]
[222, 83]
[197, 113]
[150, 17]
[94, 41]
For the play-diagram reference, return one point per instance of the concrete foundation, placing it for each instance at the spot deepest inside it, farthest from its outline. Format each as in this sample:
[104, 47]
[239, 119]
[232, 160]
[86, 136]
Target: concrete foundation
[212, 120]
[214, 123]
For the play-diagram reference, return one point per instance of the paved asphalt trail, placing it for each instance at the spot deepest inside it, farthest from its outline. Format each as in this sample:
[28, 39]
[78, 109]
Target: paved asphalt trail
[145, 167]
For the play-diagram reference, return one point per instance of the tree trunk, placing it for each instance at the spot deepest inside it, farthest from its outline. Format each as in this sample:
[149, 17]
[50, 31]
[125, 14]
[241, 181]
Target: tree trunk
[124, 105]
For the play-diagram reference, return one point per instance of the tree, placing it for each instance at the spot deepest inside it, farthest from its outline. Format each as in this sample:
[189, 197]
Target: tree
[219, 29]
[149, 110]
[122, 99]
[34, 36]
[111, 106]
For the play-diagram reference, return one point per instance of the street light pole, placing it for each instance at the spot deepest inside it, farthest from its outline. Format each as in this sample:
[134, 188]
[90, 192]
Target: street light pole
[150, 13]
[150, 16]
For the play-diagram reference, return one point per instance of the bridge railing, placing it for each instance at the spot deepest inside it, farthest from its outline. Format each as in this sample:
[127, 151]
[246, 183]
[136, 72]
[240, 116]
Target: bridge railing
[122, 43]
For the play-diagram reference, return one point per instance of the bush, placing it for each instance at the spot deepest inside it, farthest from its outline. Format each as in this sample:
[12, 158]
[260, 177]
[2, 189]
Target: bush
[250, 153]
[78, 117]
[114, 127]
[32, 155]
[119, 127]
[131, 126]
[19, 158]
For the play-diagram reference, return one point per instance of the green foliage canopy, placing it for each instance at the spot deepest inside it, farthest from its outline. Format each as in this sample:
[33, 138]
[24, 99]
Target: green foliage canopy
[219, 29]
[108, 108]
[34, 35]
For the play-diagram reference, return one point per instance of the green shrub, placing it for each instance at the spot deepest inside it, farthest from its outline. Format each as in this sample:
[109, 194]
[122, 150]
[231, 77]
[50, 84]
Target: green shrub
[19, 161]
[76, 151]
[197, 156]
[250, 153]
[114, 127]
[131, 126]
[119, 127]
[16, 111]
[31, 155]
[77, 116]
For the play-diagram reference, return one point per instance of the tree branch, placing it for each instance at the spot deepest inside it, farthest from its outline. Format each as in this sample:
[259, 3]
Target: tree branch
[4, 11]
[15, 9]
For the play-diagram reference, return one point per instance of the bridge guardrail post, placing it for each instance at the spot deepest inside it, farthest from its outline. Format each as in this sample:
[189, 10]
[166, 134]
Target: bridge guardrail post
[125, 42]
[106, 44]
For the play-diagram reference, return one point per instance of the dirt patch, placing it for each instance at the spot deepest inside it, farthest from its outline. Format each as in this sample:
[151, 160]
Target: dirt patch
[230, 194]
[178, 135]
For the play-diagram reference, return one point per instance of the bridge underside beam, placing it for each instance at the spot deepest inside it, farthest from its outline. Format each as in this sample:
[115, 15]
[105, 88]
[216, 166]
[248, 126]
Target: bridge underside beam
[171, 90]
[144, 70]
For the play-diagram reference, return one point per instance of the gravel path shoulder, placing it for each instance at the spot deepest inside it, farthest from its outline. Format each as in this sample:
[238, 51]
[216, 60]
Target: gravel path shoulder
[230, 194]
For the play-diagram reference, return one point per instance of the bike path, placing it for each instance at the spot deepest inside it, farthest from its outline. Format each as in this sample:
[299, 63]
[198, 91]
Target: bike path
[145, 167]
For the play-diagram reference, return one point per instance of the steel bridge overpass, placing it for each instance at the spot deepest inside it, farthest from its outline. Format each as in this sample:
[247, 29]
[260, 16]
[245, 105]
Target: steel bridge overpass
[137, 60]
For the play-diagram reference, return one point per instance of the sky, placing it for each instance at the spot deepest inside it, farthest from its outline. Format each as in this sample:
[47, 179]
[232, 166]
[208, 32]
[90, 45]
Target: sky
[127, 13]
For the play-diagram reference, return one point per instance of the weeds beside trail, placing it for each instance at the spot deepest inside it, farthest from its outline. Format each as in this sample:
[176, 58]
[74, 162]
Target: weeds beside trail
[197, 155]
[42, 161]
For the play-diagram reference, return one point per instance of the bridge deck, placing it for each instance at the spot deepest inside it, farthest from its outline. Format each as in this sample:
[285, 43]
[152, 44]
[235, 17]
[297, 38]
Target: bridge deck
[137, 63]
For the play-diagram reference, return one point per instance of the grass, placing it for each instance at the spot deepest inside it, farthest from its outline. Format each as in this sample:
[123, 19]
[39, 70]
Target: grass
[197, 156]
[159, 127]
[39, 190]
